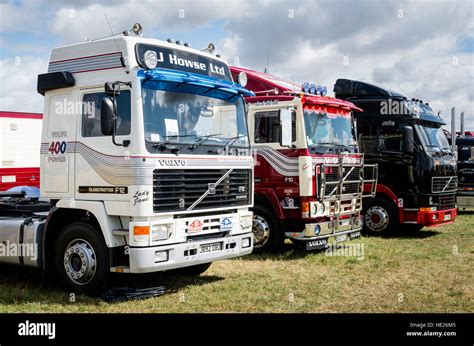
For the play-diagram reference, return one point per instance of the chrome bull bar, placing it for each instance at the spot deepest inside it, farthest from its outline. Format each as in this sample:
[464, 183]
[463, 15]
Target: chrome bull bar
[342, 184]
[337, 186]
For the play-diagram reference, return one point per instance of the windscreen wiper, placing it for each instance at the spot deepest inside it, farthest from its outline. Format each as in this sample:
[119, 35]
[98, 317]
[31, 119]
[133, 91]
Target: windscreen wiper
[441, 151]
[232, 140]
[165, 145]
[201, 139]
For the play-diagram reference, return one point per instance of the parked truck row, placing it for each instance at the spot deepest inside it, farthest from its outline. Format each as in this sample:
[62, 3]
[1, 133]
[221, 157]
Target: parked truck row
[153, 159]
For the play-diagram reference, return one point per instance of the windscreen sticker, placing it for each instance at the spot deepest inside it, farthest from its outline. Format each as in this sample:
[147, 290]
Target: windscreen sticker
[171, 127]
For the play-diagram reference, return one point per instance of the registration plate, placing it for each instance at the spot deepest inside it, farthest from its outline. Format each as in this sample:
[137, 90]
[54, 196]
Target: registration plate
[447, 217]
[207, 248]
[316, 244]
[354, 235]
[341, 238]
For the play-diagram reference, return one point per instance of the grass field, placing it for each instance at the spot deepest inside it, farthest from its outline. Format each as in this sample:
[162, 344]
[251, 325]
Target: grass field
[430, 271]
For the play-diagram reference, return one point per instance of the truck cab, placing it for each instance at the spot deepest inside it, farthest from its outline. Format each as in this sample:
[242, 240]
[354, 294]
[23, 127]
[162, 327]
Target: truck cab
[144, 158]
[309, 174]
[417, 176]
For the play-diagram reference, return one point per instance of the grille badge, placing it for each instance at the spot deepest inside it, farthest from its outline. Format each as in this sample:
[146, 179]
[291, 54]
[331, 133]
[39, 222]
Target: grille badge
[211, 187]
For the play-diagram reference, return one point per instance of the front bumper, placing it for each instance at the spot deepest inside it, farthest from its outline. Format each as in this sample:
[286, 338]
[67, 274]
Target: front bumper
[327, 229]
[143, 259]
[429, 218]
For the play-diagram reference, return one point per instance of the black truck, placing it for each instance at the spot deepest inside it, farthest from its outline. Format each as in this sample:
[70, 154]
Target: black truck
[465, 147]
[417, 175]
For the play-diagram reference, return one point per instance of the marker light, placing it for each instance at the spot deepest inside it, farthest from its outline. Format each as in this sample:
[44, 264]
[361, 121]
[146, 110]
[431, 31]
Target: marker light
[242, 79]
[312, 88]
[306, 87]
[141, 233]
[318, 90]
[151, 59]
[324, 91]
[170, 40]
[179, 42]
[186, 44]
[305, 210]
[210, 48]
[136, 30]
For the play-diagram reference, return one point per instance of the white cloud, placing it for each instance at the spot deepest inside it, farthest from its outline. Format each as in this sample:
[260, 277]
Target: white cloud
[18, 78]
[74, 24]
[407, 46]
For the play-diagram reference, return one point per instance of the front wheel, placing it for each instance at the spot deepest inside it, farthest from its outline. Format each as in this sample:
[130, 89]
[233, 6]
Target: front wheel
[380, 217]
[267, 231]
[81, 259]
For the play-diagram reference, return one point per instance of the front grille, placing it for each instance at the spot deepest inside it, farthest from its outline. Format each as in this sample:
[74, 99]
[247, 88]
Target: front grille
[446, 202]
[352, 183]
[444, 184]
[179, 189]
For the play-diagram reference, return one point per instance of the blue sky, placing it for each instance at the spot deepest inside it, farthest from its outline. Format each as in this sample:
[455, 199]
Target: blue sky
[424, 48]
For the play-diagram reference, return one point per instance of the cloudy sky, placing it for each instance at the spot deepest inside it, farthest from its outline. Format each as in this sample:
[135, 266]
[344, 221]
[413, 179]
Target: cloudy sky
[424, 49]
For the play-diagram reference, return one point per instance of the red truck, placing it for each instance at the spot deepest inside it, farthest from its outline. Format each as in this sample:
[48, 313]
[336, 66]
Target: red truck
[20, 140]
[309, 174]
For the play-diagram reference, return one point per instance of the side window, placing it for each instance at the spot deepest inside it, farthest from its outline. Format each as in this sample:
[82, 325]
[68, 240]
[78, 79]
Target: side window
[91, 114]
[390, 139]
[367, 138]
[267, 127]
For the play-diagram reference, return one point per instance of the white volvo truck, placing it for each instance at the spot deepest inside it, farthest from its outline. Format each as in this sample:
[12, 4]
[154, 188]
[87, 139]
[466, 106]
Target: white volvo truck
[145, 163]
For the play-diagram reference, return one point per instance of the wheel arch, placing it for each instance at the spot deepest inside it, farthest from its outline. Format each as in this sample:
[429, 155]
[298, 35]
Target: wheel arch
[268, 199]
[61, 216]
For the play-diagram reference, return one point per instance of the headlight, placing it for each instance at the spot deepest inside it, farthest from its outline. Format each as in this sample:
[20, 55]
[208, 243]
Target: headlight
[246, 221]
[160, 232]
[151, 59]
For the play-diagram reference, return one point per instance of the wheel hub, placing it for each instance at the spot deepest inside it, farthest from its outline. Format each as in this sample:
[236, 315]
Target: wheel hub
[80, 261]
[376, 218]
[261, 231]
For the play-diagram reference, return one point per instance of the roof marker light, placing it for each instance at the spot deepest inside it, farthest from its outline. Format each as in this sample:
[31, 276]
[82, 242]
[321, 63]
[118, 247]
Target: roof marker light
[210, 48]
[324, 91]
[312, 88]
[136, 30]
[306, 87]
[179, 43]
[170, 40]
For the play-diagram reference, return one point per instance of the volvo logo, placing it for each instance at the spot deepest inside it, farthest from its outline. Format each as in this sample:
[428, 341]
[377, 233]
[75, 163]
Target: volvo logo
[211, 187]
[172, 163]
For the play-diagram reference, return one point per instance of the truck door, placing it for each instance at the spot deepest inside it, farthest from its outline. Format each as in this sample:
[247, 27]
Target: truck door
[265, 139]
[103, 170]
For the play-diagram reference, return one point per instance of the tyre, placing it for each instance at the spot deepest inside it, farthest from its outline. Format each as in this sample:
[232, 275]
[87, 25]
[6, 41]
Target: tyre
[267, 231]
[195, 270]
[81, 259]
[380, 217]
